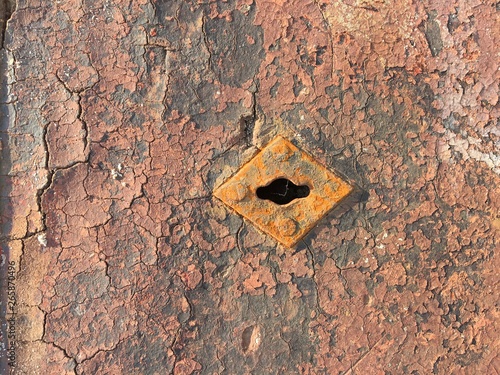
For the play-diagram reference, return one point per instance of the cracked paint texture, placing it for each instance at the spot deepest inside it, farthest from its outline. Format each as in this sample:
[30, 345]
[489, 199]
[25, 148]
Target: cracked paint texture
[120, 118]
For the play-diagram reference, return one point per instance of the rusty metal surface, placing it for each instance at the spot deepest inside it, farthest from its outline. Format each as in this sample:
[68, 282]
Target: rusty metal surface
[286, 223]
[119, 118]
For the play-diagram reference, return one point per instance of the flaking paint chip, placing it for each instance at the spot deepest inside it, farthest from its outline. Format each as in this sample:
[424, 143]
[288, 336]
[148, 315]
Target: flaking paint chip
[277, 166]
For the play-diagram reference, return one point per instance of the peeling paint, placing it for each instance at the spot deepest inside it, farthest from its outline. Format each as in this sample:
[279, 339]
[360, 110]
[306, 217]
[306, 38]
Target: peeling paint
[144, 271]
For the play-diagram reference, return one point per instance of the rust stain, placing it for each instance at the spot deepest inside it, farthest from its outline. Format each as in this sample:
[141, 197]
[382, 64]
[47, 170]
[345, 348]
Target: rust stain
[287, 223]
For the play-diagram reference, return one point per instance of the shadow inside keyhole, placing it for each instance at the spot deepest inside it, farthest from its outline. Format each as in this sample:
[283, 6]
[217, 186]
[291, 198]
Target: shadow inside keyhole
[282, 191]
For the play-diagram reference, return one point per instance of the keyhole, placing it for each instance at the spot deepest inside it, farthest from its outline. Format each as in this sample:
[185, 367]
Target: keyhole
[282, 191]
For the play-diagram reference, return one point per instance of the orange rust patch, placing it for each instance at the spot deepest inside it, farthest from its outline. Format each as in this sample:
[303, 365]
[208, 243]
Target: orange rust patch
[287, 223]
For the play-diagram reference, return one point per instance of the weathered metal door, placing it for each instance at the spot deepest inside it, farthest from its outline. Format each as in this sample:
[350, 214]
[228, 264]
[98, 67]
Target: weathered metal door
[121, 118]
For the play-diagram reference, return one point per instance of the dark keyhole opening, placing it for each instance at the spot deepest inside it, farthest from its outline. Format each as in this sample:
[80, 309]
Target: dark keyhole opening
[282, 191]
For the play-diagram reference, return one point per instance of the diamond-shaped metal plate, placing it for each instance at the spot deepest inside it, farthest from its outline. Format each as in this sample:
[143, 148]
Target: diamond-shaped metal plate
[290, 222]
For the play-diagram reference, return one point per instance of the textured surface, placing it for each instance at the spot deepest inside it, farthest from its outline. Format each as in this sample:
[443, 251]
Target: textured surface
[120, 117]
[286, 223]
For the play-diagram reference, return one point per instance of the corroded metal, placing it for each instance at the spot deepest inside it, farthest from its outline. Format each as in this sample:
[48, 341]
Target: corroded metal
[287, 223]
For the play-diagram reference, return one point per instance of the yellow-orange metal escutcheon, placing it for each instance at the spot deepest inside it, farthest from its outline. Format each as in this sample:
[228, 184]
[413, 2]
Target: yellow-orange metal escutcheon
[287, 223]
